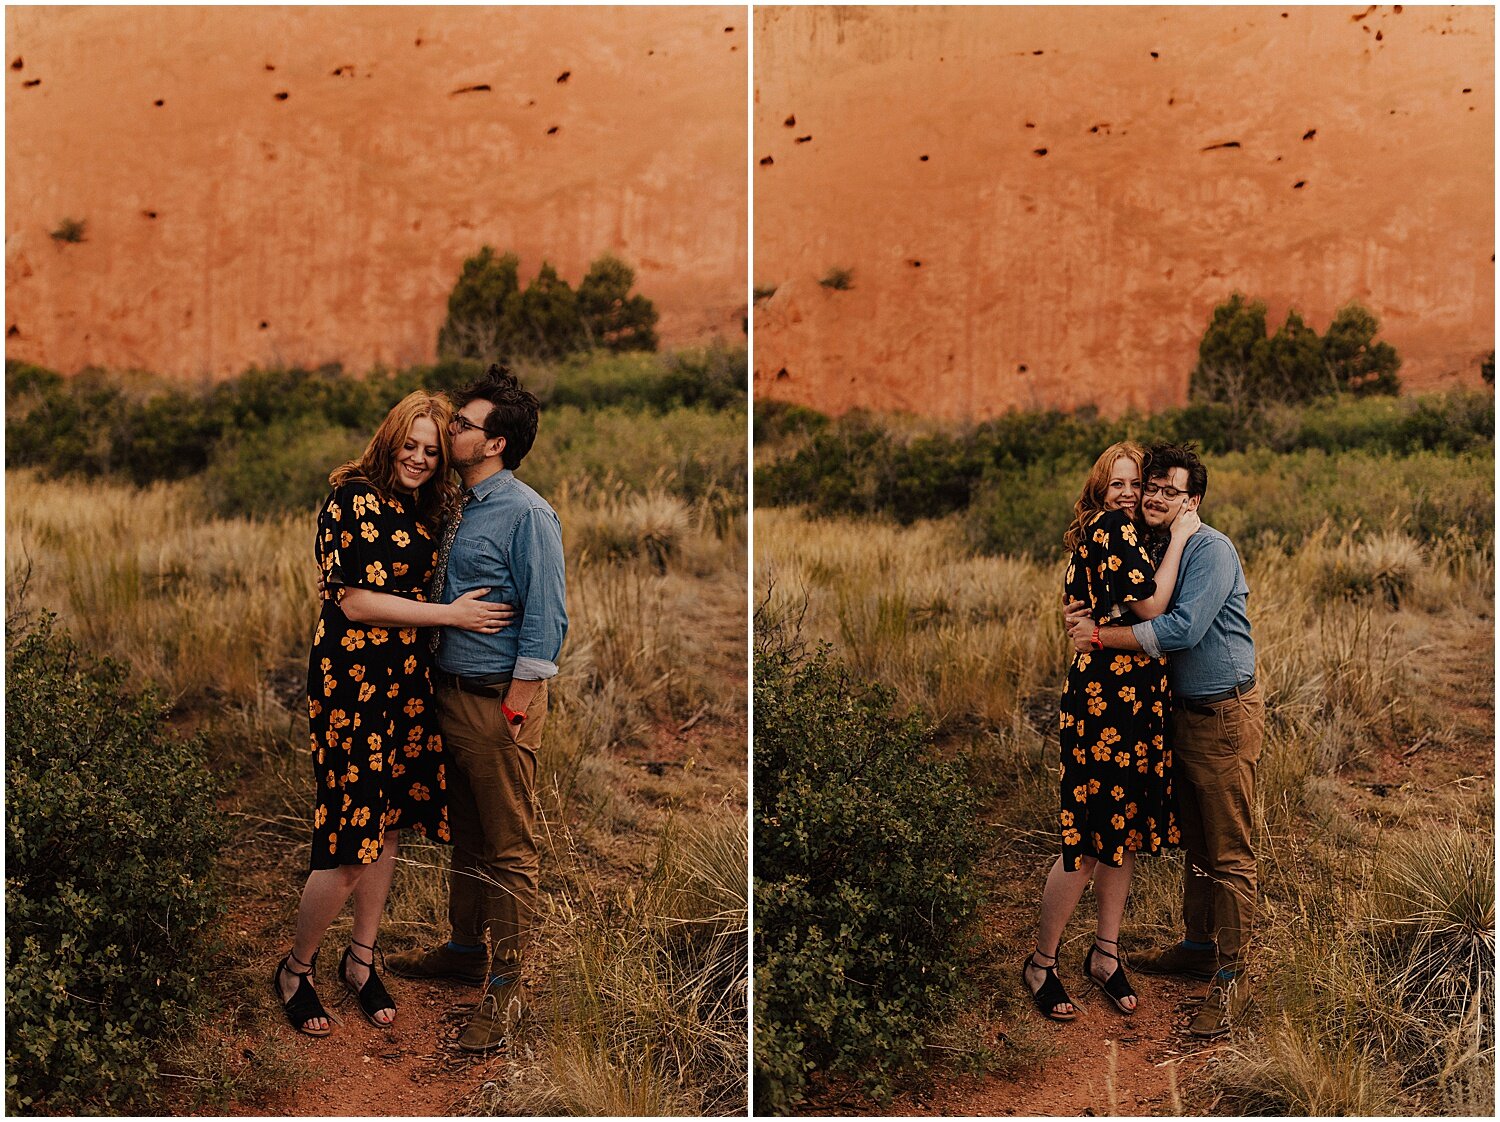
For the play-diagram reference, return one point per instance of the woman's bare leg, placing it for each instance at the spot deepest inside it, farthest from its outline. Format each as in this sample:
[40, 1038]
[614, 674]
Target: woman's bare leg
[1111, 888]
[323, 897]
[1060, 897]
[369, 906]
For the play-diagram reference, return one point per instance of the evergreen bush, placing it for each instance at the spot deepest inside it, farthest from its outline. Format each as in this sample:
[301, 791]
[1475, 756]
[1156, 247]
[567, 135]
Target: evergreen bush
[865, 842]
[112, 837]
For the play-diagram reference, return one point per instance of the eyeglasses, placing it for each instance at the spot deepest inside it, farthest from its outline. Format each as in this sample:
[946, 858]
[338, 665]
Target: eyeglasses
[1171, 493]
[464, 424]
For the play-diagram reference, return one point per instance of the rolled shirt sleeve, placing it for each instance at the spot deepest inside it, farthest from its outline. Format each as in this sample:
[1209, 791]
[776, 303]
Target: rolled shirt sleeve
[537, 567]
[1207, 581]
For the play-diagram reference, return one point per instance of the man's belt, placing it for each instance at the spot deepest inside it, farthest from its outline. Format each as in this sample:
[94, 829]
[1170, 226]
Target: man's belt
[468, 685]
[1200, 705]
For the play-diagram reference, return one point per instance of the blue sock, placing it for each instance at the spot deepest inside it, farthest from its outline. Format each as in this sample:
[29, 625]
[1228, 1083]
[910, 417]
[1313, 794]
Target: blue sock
[1225, 975]
[1189, 944]
[460, 947]
[500, 980]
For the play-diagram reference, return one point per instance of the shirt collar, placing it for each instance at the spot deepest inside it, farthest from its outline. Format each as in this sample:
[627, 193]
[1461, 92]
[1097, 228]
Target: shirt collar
[500, 479]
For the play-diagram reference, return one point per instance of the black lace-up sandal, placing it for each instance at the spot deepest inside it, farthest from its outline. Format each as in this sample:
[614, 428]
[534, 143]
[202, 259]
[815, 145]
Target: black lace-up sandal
[303, 1006]
[1050, 994]
[373, 996]
[1117, 986]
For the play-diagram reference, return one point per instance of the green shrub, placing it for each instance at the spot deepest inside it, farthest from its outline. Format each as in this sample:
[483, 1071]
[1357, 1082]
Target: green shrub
[112, 836]
[283, 467]
[713, 377]
[864, 849]
[491, 317]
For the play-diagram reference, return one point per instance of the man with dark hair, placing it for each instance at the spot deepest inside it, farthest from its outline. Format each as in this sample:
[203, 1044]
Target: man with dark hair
[1217, 725]
[491, 695]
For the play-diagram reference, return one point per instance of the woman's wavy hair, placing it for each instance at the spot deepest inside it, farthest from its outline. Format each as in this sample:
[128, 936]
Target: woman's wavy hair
[377, 464]
[1091, 499]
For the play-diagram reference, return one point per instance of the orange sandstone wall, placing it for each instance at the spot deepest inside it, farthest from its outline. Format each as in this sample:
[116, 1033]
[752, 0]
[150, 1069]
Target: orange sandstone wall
[1041, 206]
[269, 185]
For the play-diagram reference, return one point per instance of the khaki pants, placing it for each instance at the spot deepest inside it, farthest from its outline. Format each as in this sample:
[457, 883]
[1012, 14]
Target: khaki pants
[1215, 755]
[492, 813]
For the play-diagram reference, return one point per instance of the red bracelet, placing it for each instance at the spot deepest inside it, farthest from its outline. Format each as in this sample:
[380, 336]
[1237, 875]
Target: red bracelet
[511, 715]
[1096, 642]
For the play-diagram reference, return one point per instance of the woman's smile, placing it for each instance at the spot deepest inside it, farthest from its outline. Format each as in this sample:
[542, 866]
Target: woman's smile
[417, 459]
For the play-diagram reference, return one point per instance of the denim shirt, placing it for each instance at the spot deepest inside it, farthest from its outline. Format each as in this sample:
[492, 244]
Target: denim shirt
[1205, 628]
[510, 542]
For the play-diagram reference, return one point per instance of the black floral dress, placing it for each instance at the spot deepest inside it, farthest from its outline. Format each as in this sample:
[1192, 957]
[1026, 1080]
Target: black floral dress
[377, 755]
[1116, 766]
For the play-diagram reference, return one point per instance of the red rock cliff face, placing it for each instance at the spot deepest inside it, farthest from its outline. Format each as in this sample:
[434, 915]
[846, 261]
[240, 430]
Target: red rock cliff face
[1041, 206]
[270, 185]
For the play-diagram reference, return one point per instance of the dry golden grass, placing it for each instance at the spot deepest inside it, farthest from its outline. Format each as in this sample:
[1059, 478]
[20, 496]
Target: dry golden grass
[219, 615]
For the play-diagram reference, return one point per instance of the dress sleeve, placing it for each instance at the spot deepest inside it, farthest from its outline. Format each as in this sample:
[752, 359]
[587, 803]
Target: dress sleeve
[354, 545]
[1120, 569]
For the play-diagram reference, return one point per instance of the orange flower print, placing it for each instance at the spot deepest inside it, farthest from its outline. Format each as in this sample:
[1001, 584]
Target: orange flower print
[366, 692]
[314, 707]
[357, 672]
[1102, 537]
[318, 636]
[420, 793]
[373, 741]
[369, 850]
[399, 568]
[1080, 755]
[1173, 835]
[1109, 736]
[1120, 665]
[1127, 532]
[326, 665]
[331, 780]
[1157, 709]
[1082, 661]
[1135, 839]
[1122, 759]
[346, 539]
[1096, 707]
[1117, 821]
[329, 684]
[378, 635]
[1071, 837]
[319, 817]
[1093, 689]
[398, 769]
[401, 538]
[443, 780]
[1117, 792]
[413, 706]
[1130, 810]
[1127, 694]
[1067, 818]
[333, 843]
[351, 773]
[410, 665]
[338, 719]
[412, 748]
[393, 817]
[1136, 577]
[334, 512]
[408, 635]
[368, 531]
[377, 761]
[375, 574]
[1093, 786]
[1114, 562]
[1080, 793]
[353, 641]
[442, 832]
[361, 816]
[422, 530]
[435, 743]
[1119, 856]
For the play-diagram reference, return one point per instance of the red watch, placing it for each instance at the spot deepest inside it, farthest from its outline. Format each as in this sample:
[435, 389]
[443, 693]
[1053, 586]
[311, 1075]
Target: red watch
[511, 716]
[1096, 642]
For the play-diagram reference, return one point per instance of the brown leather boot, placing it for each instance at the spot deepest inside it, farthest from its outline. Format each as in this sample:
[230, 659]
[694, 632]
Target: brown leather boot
[499, 1012]
[441, 962]
[1177, 959]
